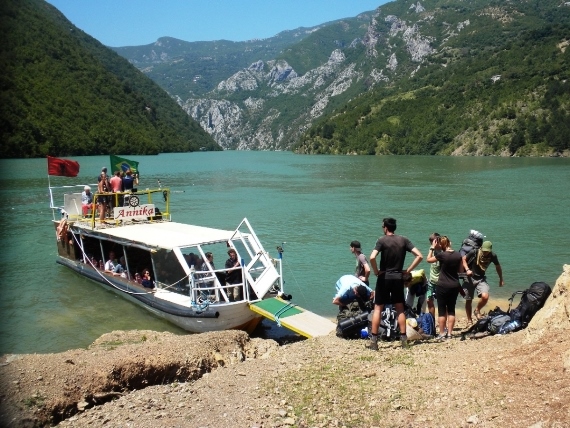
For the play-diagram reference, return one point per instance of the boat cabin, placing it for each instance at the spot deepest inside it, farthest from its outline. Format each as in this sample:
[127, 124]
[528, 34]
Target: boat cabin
[137, 236]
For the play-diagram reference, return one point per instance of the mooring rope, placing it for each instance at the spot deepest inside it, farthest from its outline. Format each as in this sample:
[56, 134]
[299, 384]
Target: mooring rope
[277, 315]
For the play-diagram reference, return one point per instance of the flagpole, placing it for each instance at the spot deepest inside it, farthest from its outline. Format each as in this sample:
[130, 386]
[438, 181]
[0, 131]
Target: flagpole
[50, 192]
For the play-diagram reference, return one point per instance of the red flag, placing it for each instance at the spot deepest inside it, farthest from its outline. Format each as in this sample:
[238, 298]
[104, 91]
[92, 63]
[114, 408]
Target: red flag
[63, 167]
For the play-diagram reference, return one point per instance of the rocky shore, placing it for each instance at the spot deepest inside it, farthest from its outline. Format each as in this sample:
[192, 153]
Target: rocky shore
[227, 379]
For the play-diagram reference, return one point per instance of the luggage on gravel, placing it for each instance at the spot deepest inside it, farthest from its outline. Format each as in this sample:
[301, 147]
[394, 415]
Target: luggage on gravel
[532, 300]
[427, 323]
[352, 319]
[501, 322]
[388, 329]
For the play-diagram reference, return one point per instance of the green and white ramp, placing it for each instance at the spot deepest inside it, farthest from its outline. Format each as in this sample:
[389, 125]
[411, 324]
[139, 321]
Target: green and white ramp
[293, 317]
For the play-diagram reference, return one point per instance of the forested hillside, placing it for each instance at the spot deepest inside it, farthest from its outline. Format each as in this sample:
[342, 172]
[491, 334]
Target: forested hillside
[63, 93]
[495, 82]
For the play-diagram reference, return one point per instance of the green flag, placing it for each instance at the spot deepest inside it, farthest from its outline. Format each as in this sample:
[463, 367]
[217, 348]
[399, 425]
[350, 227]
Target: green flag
[122, 164]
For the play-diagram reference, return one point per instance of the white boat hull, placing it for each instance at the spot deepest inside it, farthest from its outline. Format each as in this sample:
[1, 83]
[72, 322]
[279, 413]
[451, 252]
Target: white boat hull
[216, 317]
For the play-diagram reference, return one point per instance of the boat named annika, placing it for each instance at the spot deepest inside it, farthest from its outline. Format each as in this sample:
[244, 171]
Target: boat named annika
[190, 289]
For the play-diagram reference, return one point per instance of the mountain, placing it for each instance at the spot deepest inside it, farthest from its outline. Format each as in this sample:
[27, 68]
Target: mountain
[190, 69]
[432, 77]
[64, 93]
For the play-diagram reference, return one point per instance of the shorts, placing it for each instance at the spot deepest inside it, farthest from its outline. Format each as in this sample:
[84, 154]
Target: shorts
[430, 294]
[446, 301]
[389, 289]
[480, 285]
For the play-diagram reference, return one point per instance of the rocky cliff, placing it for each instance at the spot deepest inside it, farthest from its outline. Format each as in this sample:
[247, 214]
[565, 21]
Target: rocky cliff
[269, 104]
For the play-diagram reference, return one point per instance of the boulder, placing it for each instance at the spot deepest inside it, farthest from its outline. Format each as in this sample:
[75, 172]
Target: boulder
[555, 315]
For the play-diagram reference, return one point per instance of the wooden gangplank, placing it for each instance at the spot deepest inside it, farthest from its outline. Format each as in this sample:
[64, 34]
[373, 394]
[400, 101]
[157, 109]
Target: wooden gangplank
[292, 317]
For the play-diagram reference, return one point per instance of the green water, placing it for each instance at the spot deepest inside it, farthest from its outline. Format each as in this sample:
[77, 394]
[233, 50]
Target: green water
[316, 204]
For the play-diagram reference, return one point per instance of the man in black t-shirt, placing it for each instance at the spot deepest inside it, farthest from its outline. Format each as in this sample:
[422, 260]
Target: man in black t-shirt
[390, 283]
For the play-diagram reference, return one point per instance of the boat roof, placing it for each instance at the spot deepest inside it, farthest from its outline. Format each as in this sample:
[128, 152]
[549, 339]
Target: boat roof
[168, 235]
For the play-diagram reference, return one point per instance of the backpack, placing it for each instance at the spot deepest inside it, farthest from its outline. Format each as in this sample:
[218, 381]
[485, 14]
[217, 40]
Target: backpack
[351, 320]
[532, 299]
[497, 322]
[427, 323]
[388, 329]
[473, 242]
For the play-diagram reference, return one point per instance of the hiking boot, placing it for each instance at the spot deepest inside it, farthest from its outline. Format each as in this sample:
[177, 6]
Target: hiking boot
[404, 343]
[373, 346]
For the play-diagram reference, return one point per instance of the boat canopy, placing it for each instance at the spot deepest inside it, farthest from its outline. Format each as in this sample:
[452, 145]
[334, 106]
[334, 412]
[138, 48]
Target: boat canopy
[168, 235]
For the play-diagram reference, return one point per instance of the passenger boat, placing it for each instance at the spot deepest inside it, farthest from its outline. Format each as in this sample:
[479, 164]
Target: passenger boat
[189, 291]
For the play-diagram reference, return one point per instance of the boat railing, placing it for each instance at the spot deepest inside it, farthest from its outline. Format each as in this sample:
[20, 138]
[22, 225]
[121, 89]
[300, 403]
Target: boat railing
[139, 206]
[206, 285]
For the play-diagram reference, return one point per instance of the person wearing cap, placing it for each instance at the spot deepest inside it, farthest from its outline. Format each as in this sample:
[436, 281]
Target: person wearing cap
[350, 289]
[476, 277]
[86, 200]
[362, 267]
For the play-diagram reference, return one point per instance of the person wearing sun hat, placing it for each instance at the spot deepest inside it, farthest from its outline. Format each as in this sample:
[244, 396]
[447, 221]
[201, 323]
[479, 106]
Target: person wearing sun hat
[476, 277]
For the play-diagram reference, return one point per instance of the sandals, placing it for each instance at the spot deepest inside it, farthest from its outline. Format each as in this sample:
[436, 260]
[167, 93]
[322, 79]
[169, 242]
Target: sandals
[477, 314]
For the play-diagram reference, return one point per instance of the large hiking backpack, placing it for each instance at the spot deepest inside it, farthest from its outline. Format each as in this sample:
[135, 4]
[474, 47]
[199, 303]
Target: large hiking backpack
[351, 320]
[532, 299]
[472, 242]
[388, 329]
[497, 322]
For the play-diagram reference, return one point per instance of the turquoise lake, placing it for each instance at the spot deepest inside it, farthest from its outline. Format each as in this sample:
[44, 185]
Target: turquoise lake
[315, 205]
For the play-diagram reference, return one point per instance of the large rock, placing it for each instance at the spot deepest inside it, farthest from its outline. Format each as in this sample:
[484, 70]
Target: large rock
[555, 315]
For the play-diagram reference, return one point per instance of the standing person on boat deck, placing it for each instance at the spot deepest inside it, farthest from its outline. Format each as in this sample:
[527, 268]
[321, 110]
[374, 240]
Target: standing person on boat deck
[103, 187]
[86, 200]
[362, 267]
[103, 170]
[116, 186]
[129, 181]
[390, 283]
[233, 276]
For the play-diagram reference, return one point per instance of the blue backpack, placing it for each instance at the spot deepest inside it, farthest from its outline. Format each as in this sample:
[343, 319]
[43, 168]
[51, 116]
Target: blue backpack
[427, 323]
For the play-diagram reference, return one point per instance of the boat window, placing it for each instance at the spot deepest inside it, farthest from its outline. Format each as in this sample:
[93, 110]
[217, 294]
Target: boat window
[196, 255]
[168, 269]
[138, 260]
[247, 258]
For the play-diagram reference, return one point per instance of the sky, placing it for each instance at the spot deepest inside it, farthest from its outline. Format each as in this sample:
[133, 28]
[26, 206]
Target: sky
[119, 23]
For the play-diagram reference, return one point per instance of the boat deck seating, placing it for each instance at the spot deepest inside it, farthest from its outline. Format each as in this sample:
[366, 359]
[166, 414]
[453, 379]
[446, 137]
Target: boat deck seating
[293, 317]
